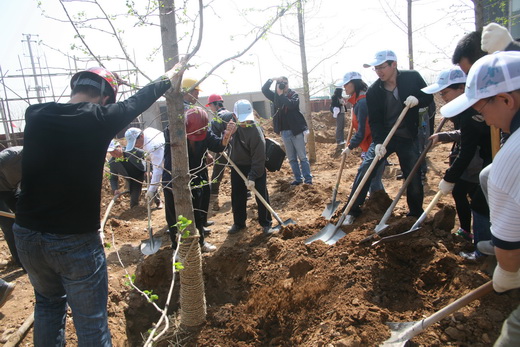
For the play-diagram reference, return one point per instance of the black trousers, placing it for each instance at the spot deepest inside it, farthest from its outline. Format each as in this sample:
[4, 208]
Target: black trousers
[8, 204]
[239, 198]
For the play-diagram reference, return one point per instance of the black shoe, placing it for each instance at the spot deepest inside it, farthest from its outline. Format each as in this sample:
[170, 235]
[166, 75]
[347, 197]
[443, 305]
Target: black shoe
[209, 223]
[399, 177]
[206, 231]
[268, 230]
[236, 228]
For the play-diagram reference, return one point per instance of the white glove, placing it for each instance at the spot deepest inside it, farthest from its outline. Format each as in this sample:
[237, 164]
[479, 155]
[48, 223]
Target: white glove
[380, 151]
[495, 38]
[446, 187]
[411, 101]
[505, 280]
[250, 184]
[150, 194]
[306, 135]
[335, 112]
[346, 151]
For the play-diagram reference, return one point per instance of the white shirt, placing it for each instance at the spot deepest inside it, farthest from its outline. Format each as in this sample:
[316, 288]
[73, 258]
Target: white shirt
[154, 148]
[504, 191]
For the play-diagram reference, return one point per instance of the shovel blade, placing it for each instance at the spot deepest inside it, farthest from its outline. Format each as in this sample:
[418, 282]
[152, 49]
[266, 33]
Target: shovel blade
[284, 224]
[324, 234]
[380, 227]
[151, 245]
[330, 209]
[337, 235]
[401, 332]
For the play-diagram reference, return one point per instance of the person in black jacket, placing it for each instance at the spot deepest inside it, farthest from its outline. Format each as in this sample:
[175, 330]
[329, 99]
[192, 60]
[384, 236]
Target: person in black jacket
[470, 153]
[291, 125]
[130, 166]
[200, 138]
[337, 107]
[58, 212]
[386, 99]
[218, 125]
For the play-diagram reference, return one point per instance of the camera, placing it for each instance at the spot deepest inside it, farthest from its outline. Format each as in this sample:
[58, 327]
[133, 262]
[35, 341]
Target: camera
[282, 85]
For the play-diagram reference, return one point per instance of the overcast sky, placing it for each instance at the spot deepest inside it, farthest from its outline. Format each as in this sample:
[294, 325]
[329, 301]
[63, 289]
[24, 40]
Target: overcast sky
[366, 26]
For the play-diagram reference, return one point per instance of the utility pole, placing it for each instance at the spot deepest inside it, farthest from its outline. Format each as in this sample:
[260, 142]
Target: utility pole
[36, 86]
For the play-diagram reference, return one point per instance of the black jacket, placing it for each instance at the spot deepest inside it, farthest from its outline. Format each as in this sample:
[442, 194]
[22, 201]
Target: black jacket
[248, 149]
[409, 82]
[287, 114]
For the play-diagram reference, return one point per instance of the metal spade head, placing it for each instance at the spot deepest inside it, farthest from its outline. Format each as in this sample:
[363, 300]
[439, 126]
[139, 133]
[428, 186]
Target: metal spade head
[151, 245]
[286, 223]
[330, 209]
[324, 234]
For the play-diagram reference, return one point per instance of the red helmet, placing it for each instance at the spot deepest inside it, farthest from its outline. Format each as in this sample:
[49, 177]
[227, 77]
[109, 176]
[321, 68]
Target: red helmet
[108, 76]
[196, 124]
[214, 98]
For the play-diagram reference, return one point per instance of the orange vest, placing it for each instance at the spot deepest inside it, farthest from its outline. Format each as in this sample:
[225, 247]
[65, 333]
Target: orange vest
[367, 140]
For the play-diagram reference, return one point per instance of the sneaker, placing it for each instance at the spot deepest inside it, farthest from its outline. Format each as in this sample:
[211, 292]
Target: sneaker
[469, 256]
[6, 289]
[466, 235]
[209, 223]
[208, 247]
[206, 231]
[268, 230]
[249, 195]
[349, 220]
[295, 183]
[486, 247]
[235, 229]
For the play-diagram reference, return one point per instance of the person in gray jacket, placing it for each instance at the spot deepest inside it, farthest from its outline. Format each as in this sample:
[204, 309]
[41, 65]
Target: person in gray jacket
[10, 177]
[248, 154]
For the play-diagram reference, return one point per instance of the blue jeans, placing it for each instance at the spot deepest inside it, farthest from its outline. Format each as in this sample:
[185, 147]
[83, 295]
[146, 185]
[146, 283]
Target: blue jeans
[295, 150]
[66, 269]
[377, 181]
[407, 154]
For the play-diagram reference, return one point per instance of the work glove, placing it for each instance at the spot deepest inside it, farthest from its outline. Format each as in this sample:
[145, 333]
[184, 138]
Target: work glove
[495, 38]
[346, 151]
[411, 101]
[250, 184]
[335, 112]
[306, 135]
[446, 187]
[380, 151]
[505, 280]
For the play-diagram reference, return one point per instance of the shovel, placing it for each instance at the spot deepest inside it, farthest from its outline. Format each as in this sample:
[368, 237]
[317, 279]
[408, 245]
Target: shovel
[153, 244]
[416, 226]
[7, 214]
[331, 233]
[331, 208]
[382, 224]
[402, 332]
[275, 215]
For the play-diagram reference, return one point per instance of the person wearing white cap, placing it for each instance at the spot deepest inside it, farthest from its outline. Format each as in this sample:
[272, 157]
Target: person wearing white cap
[356, 89]
[248, 153]
[471, 152]
[493, 89]
[152, 142]
[130, 166]
[289, 122]
[386, 98]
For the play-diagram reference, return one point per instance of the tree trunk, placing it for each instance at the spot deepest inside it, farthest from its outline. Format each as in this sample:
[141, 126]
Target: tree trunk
[311, 144]
[479, 14]
[410, 36]
[192, 298]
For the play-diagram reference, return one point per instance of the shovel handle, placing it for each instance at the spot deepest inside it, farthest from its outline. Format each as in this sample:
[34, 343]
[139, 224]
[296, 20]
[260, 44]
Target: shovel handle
[408, 180]
[6, 214]
[260, 197]
[371, 167]
[343, 159]
[426, 212]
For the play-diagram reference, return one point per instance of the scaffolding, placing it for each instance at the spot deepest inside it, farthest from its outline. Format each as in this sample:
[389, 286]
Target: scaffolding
[42, 76]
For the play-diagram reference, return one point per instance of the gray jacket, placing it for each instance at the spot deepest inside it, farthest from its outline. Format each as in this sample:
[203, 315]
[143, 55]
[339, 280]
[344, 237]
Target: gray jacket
[10, 168]
[248, 149]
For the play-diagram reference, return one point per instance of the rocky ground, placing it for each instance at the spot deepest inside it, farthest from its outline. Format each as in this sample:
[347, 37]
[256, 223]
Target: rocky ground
[278, 291]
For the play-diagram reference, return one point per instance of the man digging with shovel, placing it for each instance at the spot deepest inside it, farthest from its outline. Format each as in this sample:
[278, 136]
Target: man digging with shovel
[385, 100]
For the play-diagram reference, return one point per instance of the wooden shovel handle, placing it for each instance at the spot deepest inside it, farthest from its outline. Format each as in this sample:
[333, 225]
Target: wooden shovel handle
[6, 214]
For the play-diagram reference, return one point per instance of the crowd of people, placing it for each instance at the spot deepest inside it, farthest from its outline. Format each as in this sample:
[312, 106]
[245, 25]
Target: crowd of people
[55, 235]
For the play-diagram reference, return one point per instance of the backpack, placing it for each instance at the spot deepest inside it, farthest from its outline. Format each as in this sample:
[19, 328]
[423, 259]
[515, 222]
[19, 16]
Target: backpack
[274, 155]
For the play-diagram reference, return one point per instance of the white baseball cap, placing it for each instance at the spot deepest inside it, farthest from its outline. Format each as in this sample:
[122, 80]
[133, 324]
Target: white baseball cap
[349, 76]
[113, 145]
[446, 78]
[131, 136]
[244, 111]
[490, 75]
[381, 57]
